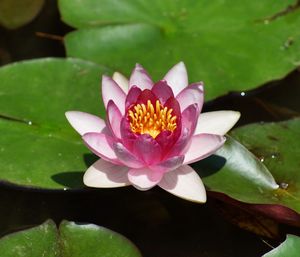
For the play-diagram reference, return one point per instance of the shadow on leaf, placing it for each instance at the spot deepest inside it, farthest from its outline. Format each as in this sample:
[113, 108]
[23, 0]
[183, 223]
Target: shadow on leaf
[70, 179]
[209, 166]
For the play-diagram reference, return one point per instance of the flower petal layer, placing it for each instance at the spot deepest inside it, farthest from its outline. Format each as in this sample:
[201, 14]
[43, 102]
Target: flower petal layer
[177, 78]
[168, 164]
[126, 157]
[217, 122]
[103, 174]
[185, 183]
[192, 94]
[147, 149]
[202, 146]
[112, 91]
[84, 122]
[162, 91]
[114, 118]
[144, 178]
[140, 78]
[100, 144]
[122, 81]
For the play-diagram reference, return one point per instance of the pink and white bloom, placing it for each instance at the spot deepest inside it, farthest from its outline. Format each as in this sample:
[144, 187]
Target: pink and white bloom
[151, 133]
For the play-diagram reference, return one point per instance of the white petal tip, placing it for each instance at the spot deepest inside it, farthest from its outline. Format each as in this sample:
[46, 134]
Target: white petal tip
[103, 174]
[217, 122]
[185, 183]
[121, 80]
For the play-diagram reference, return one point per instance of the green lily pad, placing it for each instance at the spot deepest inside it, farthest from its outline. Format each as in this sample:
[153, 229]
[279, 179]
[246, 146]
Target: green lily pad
[236, 172]
[38, 147]
[70, 240]
[289, 248]
[277, 147]
[252, 176]
[230, 45]
[16, 13]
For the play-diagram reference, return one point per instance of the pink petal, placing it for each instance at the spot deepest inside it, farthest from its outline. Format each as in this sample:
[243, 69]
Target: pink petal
[126, 157]
[177, 78]
[166, 139]
[99, 144]
[128, 137]
[218, 122]
[140, 78]
[144, 178]
[132, 96]
[202, 146]
[189, 118]
[162, 91]
[192, 94]
[168, 165]
[188, 123]
[147, 149]
[146, 95]
[112, 91]
[103, 174]
[185, 183]
[173, 104]
[122, 81]
[114, 118]
[84, 122]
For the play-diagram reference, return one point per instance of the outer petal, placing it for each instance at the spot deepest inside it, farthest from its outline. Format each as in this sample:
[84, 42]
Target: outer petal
[122, 81]
[185, 183]
[114, 118]
[144, 178]
[192, 94]
[202, 146]
[140, 78]
[100, 145]
[126, 157]
[112, 91]
[177, 78]
[84, 122]
[218, 122]
[147, 149]
[104, 174]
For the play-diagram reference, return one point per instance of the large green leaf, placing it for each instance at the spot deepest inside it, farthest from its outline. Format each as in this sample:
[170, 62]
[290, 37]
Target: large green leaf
[277, 147]
[37, 145]
[230, 45]
[237, 173]
[289, 248]
[93, 241]
[35, 242]
[16, 13]
[70, 240]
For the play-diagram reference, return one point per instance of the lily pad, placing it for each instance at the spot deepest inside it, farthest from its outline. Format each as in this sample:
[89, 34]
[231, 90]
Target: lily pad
[37, 145]
[277, 147]
[16, 13]
[70, 240]
[240, 175]
[230, 45]
[289, 248]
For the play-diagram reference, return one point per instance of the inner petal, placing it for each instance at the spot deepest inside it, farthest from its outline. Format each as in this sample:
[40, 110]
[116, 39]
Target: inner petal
[151, 119]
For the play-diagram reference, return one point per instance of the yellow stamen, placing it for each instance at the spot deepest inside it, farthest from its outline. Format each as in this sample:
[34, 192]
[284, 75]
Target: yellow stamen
[147, 119]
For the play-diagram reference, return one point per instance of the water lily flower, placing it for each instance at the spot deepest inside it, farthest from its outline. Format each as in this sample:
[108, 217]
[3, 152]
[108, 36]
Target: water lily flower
[151, 133]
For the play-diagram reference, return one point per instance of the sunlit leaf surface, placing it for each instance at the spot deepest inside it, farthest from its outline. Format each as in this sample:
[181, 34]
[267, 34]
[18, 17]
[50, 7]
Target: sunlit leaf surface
[230, 45]
[71, 239]
[38, 147]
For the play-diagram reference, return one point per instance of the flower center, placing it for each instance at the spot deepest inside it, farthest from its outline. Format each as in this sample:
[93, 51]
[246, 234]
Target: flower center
[151, 120]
